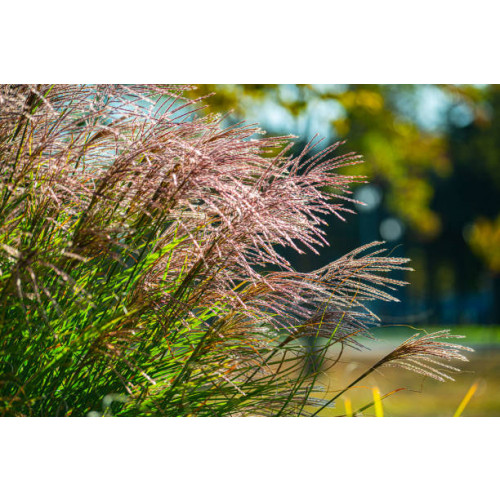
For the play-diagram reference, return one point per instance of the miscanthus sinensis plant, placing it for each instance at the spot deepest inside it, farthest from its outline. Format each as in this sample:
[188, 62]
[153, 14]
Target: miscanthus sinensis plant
[138, 266]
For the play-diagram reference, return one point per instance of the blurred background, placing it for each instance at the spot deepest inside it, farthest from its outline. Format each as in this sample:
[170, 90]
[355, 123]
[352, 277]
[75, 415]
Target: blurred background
[432, 156]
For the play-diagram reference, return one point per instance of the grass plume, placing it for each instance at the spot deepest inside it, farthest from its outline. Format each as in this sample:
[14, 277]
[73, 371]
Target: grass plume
[139, 271]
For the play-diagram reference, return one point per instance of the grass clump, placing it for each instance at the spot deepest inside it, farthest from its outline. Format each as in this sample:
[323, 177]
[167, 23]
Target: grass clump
[138, 266]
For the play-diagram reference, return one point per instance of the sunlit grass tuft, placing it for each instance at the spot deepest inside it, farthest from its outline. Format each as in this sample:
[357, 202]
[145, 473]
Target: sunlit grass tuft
[139, 263]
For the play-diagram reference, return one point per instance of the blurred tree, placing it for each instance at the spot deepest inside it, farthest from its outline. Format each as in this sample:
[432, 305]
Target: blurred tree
[475, 154]
[484, 239]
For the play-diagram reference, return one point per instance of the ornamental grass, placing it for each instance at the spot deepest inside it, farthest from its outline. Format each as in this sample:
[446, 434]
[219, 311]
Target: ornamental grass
[139, 265]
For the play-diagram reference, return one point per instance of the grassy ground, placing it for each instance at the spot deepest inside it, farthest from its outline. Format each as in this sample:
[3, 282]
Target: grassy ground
[422, 396]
